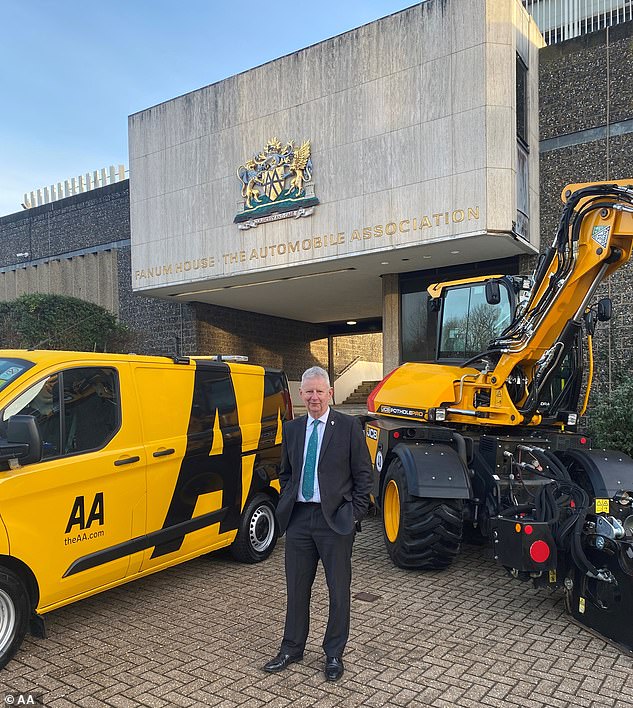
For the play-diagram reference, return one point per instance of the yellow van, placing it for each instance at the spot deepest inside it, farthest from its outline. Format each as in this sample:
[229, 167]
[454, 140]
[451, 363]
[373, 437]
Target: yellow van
[116, 466]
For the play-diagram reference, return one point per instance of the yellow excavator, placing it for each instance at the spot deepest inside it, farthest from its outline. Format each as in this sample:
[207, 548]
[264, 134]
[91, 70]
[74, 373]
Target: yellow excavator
[482, 442]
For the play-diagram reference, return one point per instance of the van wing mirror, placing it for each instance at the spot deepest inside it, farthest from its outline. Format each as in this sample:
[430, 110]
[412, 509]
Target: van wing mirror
[493, 292]
[23, 443]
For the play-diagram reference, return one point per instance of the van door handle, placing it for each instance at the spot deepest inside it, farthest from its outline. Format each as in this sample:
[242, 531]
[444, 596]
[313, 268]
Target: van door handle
[164, 452]
[126, 461]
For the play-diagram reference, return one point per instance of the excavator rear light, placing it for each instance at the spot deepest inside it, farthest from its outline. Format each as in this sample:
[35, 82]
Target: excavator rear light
[525, 544]
[539, 551]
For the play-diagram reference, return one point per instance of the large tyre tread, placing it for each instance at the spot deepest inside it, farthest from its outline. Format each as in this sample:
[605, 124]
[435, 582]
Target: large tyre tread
[430, 532]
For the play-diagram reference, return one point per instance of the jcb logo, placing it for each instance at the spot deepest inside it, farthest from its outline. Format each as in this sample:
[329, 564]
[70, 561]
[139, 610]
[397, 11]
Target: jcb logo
[372, 433]
[78, 513]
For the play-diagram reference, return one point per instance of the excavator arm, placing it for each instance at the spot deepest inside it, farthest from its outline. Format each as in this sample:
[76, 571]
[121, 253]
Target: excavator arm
[504, 384]
[594, 238]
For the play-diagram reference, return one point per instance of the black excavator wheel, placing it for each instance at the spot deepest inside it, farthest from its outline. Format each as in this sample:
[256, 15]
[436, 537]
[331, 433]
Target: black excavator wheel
[419, 532]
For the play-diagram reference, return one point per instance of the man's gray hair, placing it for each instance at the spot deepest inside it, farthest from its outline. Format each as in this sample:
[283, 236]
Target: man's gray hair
[315, 372]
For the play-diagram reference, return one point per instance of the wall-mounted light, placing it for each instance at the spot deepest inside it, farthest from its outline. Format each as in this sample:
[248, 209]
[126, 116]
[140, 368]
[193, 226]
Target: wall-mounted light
[351, 322]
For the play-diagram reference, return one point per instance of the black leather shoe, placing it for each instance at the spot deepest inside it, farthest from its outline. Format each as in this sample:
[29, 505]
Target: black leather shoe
[280, 662]
[333, 668]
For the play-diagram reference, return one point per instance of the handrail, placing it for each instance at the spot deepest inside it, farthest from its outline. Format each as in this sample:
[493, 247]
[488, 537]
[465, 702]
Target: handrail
[347, 367]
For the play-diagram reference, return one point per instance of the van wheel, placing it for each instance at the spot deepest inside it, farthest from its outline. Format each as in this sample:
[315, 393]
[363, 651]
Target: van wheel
[14, 614]
[257, 535]
[419, 532]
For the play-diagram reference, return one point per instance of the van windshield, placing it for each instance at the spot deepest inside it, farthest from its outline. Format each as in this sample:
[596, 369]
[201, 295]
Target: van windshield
[10, 369]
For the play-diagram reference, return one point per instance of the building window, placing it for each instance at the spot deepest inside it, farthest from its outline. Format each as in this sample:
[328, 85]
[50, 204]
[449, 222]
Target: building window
[522, 164]
[522, 102]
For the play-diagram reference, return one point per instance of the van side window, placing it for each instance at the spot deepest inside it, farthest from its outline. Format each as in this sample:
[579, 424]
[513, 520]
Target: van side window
[91, 408]
[275, 398]
[75, 410]
[213, 392]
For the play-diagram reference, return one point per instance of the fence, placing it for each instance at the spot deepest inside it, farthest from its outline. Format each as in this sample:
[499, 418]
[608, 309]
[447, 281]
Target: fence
[75, 185]
[559, 20]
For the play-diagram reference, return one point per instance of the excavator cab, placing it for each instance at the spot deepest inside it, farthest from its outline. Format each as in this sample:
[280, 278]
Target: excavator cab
[470, 313]
[473, 312]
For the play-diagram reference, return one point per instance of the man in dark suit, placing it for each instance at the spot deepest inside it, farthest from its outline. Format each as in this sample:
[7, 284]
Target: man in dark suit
[325, 483]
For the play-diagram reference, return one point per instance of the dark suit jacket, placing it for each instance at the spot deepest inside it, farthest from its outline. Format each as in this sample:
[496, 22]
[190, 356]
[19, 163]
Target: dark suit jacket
[344, 471]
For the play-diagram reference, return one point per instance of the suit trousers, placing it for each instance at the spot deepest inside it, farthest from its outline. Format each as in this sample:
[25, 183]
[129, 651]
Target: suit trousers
[308, 539]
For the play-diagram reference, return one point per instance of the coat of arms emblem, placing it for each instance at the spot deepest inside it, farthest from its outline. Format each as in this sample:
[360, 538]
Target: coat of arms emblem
[275, 181]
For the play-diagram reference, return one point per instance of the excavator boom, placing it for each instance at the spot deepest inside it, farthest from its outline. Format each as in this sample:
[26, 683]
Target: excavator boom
[594, 238]
[503, 385]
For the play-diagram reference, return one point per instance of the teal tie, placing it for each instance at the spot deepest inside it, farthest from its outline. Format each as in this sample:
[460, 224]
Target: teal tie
[309, 468]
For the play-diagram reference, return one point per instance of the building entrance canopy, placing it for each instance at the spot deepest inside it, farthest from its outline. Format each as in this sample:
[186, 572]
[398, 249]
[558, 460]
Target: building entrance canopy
[343, 288]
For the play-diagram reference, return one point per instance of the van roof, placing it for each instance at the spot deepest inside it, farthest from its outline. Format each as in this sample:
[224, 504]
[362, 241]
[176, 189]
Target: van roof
[51, 357]
[54, 356]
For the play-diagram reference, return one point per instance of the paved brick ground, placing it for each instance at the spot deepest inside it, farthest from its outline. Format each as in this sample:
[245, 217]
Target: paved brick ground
[198, 634]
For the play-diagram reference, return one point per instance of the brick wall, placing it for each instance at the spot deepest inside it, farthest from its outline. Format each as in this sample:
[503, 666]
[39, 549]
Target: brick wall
[159, 326]
[83, 221]
[63, 238]
[367, 347]
[270, 341]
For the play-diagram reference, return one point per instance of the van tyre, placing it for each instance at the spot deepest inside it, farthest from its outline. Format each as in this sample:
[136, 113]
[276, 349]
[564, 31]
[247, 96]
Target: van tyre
[14, 614]
[257, 535]
[419, 532]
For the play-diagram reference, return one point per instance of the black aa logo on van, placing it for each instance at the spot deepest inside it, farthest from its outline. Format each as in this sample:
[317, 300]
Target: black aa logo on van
[78, 513]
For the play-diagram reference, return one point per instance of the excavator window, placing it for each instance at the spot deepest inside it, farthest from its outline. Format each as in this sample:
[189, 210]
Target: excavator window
[469, 322]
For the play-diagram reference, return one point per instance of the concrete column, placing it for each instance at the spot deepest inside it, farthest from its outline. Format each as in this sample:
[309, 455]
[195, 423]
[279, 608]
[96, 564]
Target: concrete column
[390, 323]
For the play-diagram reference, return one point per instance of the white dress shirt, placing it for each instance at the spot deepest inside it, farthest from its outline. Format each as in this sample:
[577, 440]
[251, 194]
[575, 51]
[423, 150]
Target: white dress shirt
[316, 498]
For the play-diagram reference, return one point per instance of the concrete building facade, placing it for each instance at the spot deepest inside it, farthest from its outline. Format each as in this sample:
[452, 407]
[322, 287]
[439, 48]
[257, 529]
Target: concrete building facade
[415, 131]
